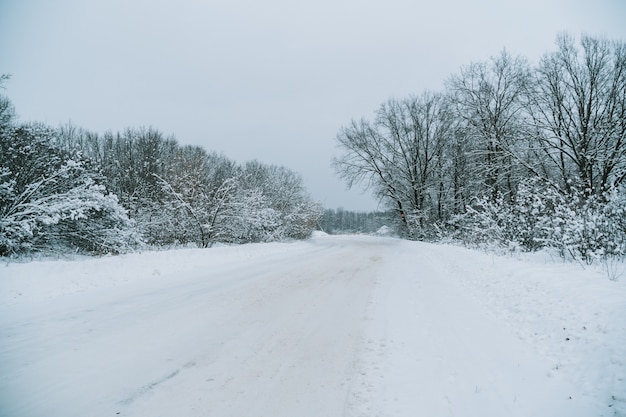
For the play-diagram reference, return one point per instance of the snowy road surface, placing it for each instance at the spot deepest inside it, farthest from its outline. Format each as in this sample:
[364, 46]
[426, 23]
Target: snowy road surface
[336, 326]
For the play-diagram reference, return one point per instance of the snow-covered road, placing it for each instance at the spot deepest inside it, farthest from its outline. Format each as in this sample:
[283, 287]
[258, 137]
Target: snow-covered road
[336, 326]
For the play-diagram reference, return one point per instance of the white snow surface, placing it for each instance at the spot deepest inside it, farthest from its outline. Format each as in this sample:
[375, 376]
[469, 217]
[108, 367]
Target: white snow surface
[334, 326]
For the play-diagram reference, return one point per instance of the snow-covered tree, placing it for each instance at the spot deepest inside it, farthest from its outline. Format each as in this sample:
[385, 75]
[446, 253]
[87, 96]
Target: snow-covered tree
[249, 217]
[295, 213]
[51, 200]
[199, 190]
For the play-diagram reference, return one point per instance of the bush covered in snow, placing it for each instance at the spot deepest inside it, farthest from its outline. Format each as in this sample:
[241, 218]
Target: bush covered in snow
[581, 226]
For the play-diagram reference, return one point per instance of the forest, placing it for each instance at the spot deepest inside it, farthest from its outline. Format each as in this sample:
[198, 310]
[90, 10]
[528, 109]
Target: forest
[66, 189]
[509, 154]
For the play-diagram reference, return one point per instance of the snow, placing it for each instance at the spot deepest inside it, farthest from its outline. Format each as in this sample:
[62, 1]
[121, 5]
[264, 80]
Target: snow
[336, 325]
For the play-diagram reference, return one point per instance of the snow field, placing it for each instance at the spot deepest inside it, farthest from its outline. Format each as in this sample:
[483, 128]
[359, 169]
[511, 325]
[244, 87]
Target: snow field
[337, 325]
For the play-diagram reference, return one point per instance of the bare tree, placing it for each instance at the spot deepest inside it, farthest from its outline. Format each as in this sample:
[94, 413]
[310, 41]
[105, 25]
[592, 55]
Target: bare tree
[578, 106]
[399, 155]
[488, 99]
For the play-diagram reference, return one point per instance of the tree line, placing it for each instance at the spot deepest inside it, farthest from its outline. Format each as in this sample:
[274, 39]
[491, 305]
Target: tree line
[521, 155]
[69, 189]
[339, 221]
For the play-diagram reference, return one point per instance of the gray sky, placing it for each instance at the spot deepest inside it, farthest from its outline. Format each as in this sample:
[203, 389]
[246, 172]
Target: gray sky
[271, 80]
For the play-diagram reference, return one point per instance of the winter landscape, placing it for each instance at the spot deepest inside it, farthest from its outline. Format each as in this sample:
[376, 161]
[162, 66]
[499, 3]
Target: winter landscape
[359, 209]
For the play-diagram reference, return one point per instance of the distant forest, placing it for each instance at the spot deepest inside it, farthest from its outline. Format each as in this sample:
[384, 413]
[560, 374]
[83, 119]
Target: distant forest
[509, 154]
[337, 221]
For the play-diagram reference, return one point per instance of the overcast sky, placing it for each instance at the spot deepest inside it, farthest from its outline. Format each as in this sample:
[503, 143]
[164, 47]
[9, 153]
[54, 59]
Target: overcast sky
[270, 80]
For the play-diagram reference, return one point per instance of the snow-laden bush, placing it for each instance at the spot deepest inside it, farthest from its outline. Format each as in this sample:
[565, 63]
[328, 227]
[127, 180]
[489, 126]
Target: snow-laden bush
[590, 228]
[249, 218]
[501, 222]
[78, 215]
[486, 223]
[580, 226]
